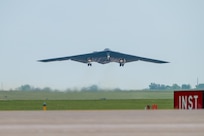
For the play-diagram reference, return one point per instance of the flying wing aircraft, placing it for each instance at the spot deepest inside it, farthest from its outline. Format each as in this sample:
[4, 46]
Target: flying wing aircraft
[104, 57]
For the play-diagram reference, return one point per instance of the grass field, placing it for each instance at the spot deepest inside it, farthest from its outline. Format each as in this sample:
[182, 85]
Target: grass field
[84, 104]
[39, 95]
[18, 100]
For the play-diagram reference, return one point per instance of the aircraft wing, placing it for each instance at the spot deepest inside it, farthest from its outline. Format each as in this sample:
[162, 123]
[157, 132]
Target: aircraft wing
[55, 59]
[84, 58]
[117, 56]
[104, 57]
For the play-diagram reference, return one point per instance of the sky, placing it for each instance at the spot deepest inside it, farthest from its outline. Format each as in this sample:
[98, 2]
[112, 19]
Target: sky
[169, 30]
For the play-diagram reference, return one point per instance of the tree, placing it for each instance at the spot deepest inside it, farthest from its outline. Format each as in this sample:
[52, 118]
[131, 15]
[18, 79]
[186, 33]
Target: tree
[153, 86]
[175, 87]
[185, 86]
[25, 88]
[162, 87]
[200, 86]
[91, 88]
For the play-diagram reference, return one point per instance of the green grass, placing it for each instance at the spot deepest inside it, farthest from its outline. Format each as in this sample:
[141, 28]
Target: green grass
[38, 95]
[85, 104]
[102, 100]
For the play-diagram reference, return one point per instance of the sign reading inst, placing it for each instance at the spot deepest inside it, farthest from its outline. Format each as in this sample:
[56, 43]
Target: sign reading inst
[191, 99]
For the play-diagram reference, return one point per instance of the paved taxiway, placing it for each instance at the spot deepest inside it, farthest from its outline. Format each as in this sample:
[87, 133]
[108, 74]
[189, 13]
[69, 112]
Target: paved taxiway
[102, 123]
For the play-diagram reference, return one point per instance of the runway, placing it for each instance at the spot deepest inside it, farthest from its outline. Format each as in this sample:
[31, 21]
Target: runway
[102, 123]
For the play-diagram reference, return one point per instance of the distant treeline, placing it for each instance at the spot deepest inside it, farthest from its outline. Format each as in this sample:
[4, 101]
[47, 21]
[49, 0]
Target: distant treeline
[92, 88]
[154, 86]
[95, 88]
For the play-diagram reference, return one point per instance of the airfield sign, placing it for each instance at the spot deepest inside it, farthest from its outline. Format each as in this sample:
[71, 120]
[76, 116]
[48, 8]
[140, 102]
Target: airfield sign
[191, 99]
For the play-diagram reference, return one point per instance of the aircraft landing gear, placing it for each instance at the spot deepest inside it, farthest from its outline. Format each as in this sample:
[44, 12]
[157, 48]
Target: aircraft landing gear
[89, 64]
[121, 64]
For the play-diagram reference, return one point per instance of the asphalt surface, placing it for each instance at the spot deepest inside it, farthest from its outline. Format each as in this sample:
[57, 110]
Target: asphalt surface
[102, 123]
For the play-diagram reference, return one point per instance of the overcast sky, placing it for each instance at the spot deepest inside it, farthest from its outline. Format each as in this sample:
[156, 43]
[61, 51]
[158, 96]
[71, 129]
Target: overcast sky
[169, 30]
